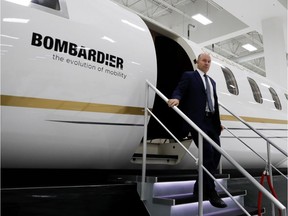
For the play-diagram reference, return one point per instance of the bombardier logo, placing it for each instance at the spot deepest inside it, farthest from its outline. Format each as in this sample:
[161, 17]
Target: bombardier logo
[73, 49]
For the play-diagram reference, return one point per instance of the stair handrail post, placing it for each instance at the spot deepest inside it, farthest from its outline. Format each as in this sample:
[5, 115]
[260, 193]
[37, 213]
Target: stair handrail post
[221, 166]
[145, 142]
[200, 174]
[269, 168]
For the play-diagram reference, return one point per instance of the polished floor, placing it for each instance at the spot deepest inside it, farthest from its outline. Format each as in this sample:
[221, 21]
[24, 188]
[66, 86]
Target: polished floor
[86, 193]
[94, 200]
[67, 193]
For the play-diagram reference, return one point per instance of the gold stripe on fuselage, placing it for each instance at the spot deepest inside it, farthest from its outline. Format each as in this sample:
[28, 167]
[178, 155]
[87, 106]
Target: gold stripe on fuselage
[29, 102]
[254, 119]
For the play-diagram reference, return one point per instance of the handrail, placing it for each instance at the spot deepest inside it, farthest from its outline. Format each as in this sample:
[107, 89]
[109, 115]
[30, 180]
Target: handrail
[269, 165]
[234, 135]
[256, 131]
[199, 162]
[218, 148]
[172, 135]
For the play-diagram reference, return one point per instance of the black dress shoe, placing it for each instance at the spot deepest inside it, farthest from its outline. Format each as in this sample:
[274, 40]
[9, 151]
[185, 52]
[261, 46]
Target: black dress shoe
[216, 201]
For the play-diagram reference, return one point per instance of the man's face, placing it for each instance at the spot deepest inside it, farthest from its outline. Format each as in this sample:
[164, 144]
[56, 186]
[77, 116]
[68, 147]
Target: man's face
[204, 62]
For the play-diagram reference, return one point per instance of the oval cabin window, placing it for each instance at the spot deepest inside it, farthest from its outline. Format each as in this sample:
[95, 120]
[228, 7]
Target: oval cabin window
[275, 97]
[286, 95]
[230, 81]
[255, 90]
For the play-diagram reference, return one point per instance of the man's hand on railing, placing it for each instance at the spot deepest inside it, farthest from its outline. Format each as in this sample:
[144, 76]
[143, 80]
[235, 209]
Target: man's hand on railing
[173, 102]
[222, 127]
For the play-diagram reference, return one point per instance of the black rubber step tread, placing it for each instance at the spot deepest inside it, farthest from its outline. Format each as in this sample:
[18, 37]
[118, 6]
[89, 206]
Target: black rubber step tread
[178, 199]
[140, 155]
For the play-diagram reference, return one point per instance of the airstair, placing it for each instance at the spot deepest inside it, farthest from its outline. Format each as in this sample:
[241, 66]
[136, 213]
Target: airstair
[172, 195]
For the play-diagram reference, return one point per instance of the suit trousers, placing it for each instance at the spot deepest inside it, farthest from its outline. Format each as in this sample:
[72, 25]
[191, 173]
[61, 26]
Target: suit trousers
[211, 157]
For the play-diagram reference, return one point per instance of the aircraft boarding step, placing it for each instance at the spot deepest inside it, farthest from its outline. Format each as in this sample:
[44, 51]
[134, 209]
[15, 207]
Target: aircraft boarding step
[155, 158]
[172, 196]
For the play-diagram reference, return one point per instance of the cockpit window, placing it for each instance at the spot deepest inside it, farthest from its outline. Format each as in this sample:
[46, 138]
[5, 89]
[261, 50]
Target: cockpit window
[286, 95]
[255, 90]
[56, 7]
[275, 97]
[53, 4]
[230, 81]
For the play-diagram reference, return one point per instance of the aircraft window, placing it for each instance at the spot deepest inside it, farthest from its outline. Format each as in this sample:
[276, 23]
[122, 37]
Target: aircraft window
[56, 7]
[256, 91]
[286, 95]
[53, 4]
[275, 98]
[230, 81]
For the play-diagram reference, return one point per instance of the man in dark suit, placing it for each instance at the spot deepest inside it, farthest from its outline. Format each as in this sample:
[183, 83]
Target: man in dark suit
[199, 102]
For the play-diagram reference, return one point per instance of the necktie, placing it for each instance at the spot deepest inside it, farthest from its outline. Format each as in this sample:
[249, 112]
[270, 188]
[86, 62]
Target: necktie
[208, 94]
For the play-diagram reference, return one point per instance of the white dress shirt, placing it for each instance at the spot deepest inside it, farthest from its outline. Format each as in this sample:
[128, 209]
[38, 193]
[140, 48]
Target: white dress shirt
[201, 73]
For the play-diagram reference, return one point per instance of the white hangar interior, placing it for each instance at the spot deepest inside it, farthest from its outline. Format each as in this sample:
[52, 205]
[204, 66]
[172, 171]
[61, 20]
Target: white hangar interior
[262, 24]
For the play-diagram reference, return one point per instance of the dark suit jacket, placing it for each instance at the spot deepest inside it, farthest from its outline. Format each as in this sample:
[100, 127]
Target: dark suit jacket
[191, 93]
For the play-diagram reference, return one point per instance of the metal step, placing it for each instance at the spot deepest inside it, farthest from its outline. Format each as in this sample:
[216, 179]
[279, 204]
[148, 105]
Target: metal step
[186, 177]
[179, 184]
[155, 158]
[172, 195]
[179, 199]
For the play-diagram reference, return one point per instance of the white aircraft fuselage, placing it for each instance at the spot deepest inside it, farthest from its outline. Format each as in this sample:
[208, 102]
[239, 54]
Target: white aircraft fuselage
[73, 88]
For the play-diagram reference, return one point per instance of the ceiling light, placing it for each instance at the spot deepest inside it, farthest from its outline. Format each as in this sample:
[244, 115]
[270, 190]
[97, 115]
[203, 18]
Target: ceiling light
[249, 47]
[202, 19]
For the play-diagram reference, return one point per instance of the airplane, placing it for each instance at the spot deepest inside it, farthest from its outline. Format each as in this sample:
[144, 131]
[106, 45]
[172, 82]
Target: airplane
[73, 80]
